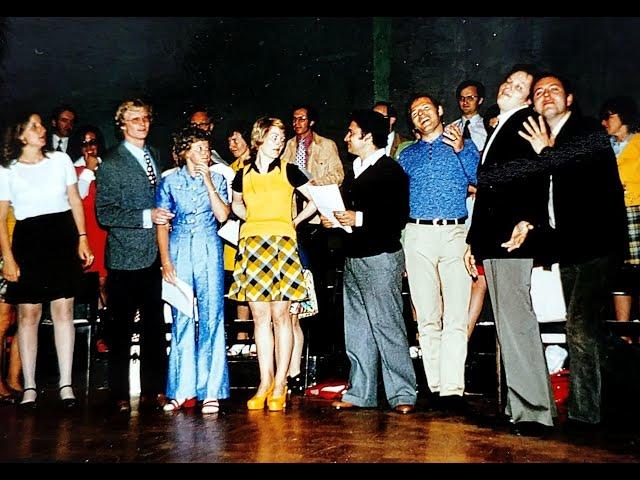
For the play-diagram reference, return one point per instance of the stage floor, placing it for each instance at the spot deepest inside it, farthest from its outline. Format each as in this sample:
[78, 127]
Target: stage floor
[309, 431]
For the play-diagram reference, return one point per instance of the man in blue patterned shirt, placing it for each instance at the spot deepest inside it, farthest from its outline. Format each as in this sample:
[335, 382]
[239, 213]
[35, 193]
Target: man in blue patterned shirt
[440, 166]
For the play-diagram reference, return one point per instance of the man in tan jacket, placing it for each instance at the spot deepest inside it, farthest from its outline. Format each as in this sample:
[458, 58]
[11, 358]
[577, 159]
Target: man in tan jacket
[318, 158]
[316, 155]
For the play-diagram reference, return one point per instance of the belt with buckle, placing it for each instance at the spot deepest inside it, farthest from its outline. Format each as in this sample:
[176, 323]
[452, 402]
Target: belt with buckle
[438, 221]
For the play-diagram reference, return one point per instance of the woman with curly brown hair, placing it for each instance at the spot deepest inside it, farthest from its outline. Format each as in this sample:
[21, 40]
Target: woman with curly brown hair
[191, 250]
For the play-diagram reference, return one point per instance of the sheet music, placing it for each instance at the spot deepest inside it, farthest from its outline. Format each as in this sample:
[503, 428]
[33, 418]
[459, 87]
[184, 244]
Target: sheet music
[179, 295]
[328, 200]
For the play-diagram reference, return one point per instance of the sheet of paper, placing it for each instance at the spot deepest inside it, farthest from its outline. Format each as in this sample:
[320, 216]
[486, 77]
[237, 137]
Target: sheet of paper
[230, 231]
[328, 200]
[179, 295]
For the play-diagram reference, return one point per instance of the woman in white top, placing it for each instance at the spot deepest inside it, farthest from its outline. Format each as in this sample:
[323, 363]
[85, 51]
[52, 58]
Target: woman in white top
[44, 263]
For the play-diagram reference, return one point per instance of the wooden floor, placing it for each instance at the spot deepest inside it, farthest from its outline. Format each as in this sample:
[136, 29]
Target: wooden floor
[309, 431]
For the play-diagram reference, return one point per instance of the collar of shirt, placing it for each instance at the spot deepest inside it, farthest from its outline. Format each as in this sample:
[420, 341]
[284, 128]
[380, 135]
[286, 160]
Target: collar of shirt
[272, 165]
[56, 139]
[390, 138]
[360, 165]
[556, 130]
[138, 153]
[306, 140]
[474, 120]
[617, 146]
[135, 151]
[502, 119]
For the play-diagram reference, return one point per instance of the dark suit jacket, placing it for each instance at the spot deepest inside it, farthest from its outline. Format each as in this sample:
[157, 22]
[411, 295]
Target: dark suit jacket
[123, 192]
[588, 198]
[499, 207]
[51, 147]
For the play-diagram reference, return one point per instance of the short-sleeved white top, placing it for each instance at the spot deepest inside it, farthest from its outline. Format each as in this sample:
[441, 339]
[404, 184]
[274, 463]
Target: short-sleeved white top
[38, 189]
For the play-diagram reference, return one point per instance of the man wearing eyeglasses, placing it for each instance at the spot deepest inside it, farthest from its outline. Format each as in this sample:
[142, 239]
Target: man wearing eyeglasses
[470, 95]
[126, 206]
[201, 119]
[318, 158]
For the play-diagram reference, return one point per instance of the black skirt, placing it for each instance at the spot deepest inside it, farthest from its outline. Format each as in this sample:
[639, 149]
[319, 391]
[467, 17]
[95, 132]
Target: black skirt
[46, 251]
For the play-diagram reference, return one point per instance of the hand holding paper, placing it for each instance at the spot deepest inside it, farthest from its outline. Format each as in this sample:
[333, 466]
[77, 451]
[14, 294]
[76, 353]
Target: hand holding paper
[328, 200]
[179, 295]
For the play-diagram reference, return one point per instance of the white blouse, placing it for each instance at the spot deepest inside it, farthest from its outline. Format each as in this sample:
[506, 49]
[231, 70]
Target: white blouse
[38, 189]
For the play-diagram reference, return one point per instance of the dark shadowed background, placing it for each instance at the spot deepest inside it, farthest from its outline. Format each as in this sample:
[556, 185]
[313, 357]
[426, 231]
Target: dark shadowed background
[246, 67]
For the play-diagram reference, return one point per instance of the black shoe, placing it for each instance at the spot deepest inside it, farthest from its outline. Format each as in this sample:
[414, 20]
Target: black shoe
[530, 429]
[69, 402]
[30, 404]
[296, 384]
[576, 427]
[454, 404]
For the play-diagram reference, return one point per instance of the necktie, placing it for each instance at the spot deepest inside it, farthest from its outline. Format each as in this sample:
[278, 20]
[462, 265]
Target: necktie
[465, 131]
[59, 147]
[150, 172]
[301, 154]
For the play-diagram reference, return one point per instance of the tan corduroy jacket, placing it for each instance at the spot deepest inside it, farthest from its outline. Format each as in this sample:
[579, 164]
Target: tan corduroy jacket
[323, 163]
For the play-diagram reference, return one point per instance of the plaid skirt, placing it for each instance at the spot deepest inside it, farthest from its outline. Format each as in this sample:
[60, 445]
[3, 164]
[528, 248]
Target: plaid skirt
[633, 227]
[267, 270]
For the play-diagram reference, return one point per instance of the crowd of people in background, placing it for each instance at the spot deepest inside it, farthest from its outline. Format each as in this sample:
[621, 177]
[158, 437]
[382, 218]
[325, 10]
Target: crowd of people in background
[462, 209]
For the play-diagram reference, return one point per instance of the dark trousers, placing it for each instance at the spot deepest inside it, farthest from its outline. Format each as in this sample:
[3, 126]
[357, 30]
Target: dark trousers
[314, 255]
[130, 290]
[587, 293]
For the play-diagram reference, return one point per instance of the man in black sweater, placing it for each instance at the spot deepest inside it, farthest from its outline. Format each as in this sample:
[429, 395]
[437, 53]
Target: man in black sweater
[377, 201]
[585, 188]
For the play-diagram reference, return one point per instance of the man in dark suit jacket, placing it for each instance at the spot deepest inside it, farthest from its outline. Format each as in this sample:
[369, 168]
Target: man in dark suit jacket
[125, 204]
[63, 120]
[498, 209]
[377, 199]
[578, 155]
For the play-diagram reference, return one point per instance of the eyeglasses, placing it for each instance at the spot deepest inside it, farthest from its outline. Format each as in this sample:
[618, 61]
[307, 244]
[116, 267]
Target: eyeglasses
[138, 120]
[467, 98]
[88, 143]
[299, 119]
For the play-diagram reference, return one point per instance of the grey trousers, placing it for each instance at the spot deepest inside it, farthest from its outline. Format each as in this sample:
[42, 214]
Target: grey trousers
[529, 393]
[374, 331]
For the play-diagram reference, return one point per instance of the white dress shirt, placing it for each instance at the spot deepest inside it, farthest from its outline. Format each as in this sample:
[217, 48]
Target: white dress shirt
[360, 166]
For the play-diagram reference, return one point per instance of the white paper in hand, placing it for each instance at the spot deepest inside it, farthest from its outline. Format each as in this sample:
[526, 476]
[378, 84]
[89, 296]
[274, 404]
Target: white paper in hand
[230, 231]
[179, 295]
[328, 200]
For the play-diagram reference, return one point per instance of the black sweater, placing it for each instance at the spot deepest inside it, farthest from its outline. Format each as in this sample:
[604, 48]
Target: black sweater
[381, 193]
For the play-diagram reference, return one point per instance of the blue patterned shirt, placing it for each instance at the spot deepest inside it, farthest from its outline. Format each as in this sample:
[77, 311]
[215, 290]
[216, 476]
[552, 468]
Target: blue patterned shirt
[438, 178]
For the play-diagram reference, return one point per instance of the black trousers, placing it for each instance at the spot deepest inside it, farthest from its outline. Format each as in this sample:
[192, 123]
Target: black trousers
[130, 290]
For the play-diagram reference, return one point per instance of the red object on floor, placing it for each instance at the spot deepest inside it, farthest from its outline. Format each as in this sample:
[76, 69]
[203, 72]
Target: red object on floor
[330, 390]
[560, 385]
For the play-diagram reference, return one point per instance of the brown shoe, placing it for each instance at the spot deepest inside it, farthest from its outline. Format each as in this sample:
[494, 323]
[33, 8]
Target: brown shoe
[340, 405]
[404, 408]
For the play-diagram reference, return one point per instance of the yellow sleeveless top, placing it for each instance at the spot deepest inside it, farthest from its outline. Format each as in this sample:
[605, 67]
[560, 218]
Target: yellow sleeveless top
[268, 198]
[629, 169]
